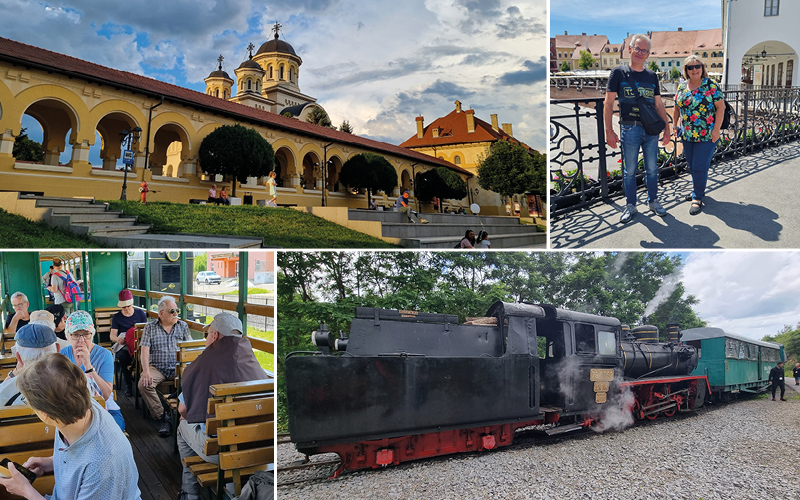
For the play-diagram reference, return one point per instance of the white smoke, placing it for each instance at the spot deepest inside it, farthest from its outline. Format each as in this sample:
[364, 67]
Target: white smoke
[668, 286]
[617, 414]
[619, 261]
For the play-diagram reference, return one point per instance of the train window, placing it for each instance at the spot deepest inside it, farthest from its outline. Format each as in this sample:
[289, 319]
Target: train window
[731, 348]
[606, 344]
[742, 350]
[584, 339]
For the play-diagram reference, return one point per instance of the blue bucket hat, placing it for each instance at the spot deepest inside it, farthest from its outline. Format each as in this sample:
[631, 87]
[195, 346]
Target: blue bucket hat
[35, 335]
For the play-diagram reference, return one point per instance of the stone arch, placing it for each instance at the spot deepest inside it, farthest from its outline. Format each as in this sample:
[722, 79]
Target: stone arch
[285, 166]
[760, 72]
[334, 169]
[405, 180]
[311, 177]
[60, 122]
[166, 131]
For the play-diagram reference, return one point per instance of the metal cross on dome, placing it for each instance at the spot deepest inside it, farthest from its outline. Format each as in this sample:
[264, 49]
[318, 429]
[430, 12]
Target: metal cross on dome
[219, 60]
[276, 28]
[250, 49]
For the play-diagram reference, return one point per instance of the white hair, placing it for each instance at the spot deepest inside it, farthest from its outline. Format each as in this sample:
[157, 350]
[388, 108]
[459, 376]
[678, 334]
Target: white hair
[19, 294]
[635, 38]
[164, 299]
[31, 354]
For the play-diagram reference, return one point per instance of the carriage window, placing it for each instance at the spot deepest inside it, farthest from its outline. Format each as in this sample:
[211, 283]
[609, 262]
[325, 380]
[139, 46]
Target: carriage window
[731, 348]
[584, 339]
[743, 351]
[607, 345]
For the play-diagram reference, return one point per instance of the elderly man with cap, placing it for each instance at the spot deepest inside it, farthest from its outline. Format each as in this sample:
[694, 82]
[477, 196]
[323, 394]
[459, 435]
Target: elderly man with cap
[121, 322]
[158, 347]
[33, 342]
[95, 361]
[21, 317]
[227, 358]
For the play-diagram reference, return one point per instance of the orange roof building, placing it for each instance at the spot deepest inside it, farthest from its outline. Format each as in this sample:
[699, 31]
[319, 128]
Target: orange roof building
[670, 48]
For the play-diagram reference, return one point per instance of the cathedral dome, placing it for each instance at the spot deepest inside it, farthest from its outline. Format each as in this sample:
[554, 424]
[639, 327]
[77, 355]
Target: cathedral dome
[276, 45]
[219, 73]
[249, 63]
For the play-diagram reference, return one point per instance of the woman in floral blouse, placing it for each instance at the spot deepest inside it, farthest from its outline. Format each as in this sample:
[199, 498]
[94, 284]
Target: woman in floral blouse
[700, 108]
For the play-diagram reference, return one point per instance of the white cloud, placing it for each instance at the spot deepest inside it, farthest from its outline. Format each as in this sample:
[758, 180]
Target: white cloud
[749, 293]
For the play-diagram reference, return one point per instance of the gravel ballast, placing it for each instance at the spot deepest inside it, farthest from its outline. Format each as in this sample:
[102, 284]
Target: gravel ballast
[743, 450]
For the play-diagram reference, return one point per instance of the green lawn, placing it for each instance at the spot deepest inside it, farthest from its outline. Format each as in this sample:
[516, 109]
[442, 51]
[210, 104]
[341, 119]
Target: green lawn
[18, 232]
[265, 359]
[279, 227]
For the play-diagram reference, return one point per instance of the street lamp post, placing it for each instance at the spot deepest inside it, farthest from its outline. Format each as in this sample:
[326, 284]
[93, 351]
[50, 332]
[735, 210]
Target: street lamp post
[325, 170]
[414, 183]
[128, 155]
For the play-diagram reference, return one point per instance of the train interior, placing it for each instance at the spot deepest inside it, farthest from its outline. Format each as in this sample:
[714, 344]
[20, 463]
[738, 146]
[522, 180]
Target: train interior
[149, 276]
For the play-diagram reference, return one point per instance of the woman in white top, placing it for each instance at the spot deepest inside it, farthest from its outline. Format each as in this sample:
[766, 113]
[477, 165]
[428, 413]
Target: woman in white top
[483, 240]
[273, 202]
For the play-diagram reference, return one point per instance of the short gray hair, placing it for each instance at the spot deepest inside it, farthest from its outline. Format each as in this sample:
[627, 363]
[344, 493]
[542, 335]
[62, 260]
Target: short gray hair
[31, 354]
[20, 294]
[163, 300]
[638, 36]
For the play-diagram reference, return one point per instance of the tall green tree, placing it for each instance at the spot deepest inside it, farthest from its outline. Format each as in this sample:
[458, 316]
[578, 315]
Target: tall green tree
[653, 66]
[586, 61]
[675, 73]
[441, 182]
[565, 66]
[318, 116]
[511, 168]
[236, 151]
[369, 171]
[200, 262]
[26, 149]
[346, 127]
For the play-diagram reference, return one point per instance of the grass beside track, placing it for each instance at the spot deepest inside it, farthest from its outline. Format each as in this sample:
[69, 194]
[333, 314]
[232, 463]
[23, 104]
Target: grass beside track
[280, 227]
[18, 232]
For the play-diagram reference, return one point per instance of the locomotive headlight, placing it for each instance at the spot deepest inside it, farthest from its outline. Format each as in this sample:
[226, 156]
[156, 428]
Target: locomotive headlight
[323, 339]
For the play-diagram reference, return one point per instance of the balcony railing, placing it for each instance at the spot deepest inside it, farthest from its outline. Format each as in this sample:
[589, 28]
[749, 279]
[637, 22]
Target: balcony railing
[762, 118]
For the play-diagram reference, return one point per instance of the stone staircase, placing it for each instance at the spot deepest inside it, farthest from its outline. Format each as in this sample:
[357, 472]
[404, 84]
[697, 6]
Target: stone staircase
[445, 230]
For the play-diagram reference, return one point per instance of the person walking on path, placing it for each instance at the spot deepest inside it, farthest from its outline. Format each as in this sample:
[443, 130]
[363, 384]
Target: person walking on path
[626, 83]
[776, 377]
[796, 373]
[699, 109]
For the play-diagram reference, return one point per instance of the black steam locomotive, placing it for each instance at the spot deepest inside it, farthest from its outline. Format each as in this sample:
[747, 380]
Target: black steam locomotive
[407, 385]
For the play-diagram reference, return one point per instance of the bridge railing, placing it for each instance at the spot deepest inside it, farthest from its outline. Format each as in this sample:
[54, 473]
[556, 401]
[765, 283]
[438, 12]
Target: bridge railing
[762, 118]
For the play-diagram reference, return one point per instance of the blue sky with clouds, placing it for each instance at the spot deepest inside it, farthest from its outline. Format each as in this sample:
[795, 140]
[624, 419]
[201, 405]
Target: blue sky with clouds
[377, 64]
[618, 18]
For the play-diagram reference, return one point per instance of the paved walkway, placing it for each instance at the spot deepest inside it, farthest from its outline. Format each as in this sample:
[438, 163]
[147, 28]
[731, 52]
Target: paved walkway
[751, 202]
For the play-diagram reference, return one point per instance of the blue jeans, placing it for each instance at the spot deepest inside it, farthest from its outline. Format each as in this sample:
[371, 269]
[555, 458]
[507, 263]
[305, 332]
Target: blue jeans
[632, 138]
[698, 157]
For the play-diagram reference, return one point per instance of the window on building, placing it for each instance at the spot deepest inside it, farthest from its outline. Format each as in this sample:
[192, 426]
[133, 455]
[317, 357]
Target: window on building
[249, 85]
[669, 63]
[216, 93]
[662, 64]
[457, 160]
[678, 63]
[270, 72]
[280, 74]
[705, 55]
[771, 7]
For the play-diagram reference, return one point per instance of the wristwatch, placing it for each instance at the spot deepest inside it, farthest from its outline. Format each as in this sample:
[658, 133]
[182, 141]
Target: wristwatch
[90, 370]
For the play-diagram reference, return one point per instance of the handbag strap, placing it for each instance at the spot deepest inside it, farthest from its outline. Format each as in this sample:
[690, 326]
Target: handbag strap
[639, 98]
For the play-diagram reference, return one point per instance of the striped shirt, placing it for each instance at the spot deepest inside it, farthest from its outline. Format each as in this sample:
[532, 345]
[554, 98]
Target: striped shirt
[163, 345]
[98, 465]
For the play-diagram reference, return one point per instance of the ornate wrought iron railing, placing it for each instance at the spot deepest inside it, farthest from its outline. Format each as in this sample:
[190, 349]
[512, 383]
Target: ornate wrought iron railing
[762, 118]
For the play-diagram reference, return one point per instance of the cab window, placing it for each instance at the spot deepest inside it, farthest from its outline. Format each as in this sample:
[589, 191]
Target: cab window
[584, 339]
[606, 342]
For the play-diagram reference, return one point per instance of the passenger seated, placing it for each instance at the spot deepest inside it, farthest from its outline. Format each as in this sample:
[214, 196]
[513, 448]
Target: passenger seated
[121, 322]
[94, 458]
[33, 342]
[227, 358]
[95, 361]
[59, 319]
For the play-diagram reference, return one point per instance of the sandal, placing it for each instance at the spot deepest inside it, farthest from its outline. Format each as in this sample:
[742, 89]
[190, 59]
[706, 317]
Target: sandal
[697, 207]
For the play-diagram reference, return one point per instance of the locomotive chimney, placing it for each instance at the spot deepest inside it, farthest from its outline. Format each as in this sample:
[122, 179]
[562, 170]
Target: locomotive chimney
[646, 333]
[673, 333]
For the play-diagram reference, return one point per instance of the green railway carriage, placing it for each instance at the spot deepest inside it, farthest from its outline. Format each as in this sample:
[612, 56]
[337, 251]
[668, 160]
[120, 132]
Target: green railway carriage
[733, 363]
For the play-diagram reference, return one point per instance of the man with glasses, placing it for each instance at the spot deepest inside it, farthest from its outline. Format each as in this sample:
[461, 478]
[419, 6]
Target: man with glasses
[21, 317]
[626, 82]
[158, 347]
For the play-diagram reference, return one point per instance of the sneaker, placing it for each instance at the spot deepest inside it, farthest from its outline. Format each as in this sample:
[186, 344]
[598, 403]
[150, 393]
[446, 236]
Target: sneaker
[656, 207]
[783, 399]
[166, 426]
[627, 214]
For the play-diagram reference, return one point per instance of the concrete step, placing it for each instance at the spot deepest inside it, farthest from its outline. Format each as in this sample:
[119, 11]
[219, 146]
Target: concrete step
[409, 230]
[178, 241]
[109, 231]
[433, 218]
[54, 198]
[66, 203]
[533, 240]
[101, 218]
[82, 209]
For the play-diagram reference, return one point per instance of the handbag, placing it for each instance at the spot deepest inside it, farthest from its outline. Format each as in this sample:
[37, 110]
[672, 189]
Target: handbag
[726, 120]
[651, 121]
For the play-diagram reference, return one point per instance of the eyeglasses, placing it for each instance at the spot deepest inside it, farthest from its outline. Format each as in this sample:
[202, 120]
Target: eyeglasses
[84, 336]
[173, 311]
[640, 51]
[21, 304]
[693, 67]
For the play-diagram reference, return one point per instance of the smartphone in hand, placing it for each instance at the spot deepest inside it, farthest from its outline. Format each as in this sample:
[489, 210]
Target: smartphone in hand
[29, 475]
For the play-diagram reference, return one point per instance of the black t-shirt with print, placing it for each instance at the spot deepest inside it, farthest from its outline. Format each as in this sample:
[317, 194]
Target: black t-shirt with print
[646, 81]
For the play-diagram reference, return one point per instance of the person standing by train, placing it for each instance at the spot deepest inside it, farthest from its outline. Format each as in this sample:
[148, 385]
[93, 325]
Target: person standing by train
[796, 373]
[776, 377]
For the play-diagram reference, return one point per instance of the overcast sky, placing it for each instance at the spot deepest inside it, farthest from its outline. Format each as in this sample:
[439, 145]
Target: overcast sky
[378, 64]
[752, 293]
[617, 18]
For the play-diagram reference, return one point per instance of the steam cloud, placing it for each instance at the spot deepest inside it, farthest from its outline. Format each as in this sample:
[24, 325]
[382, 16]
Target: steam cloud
[663, 293]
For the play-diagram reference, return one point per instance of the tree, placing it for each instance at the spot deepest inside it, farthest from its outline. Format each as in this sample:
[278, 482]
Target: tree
[26, 149]
[653, 66]
[318, 116]
[237, 151]
[200, 262]
[369, 171]
[442, 183]
[586, 61]
[675, 73]
[565, 66]
[512, 168]
[346, 127]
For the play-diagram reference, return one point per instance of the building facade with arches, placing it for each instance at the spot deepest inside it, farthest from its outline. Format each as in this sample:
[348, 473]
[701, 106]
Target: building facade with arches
[78, 103]
[762, 41]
